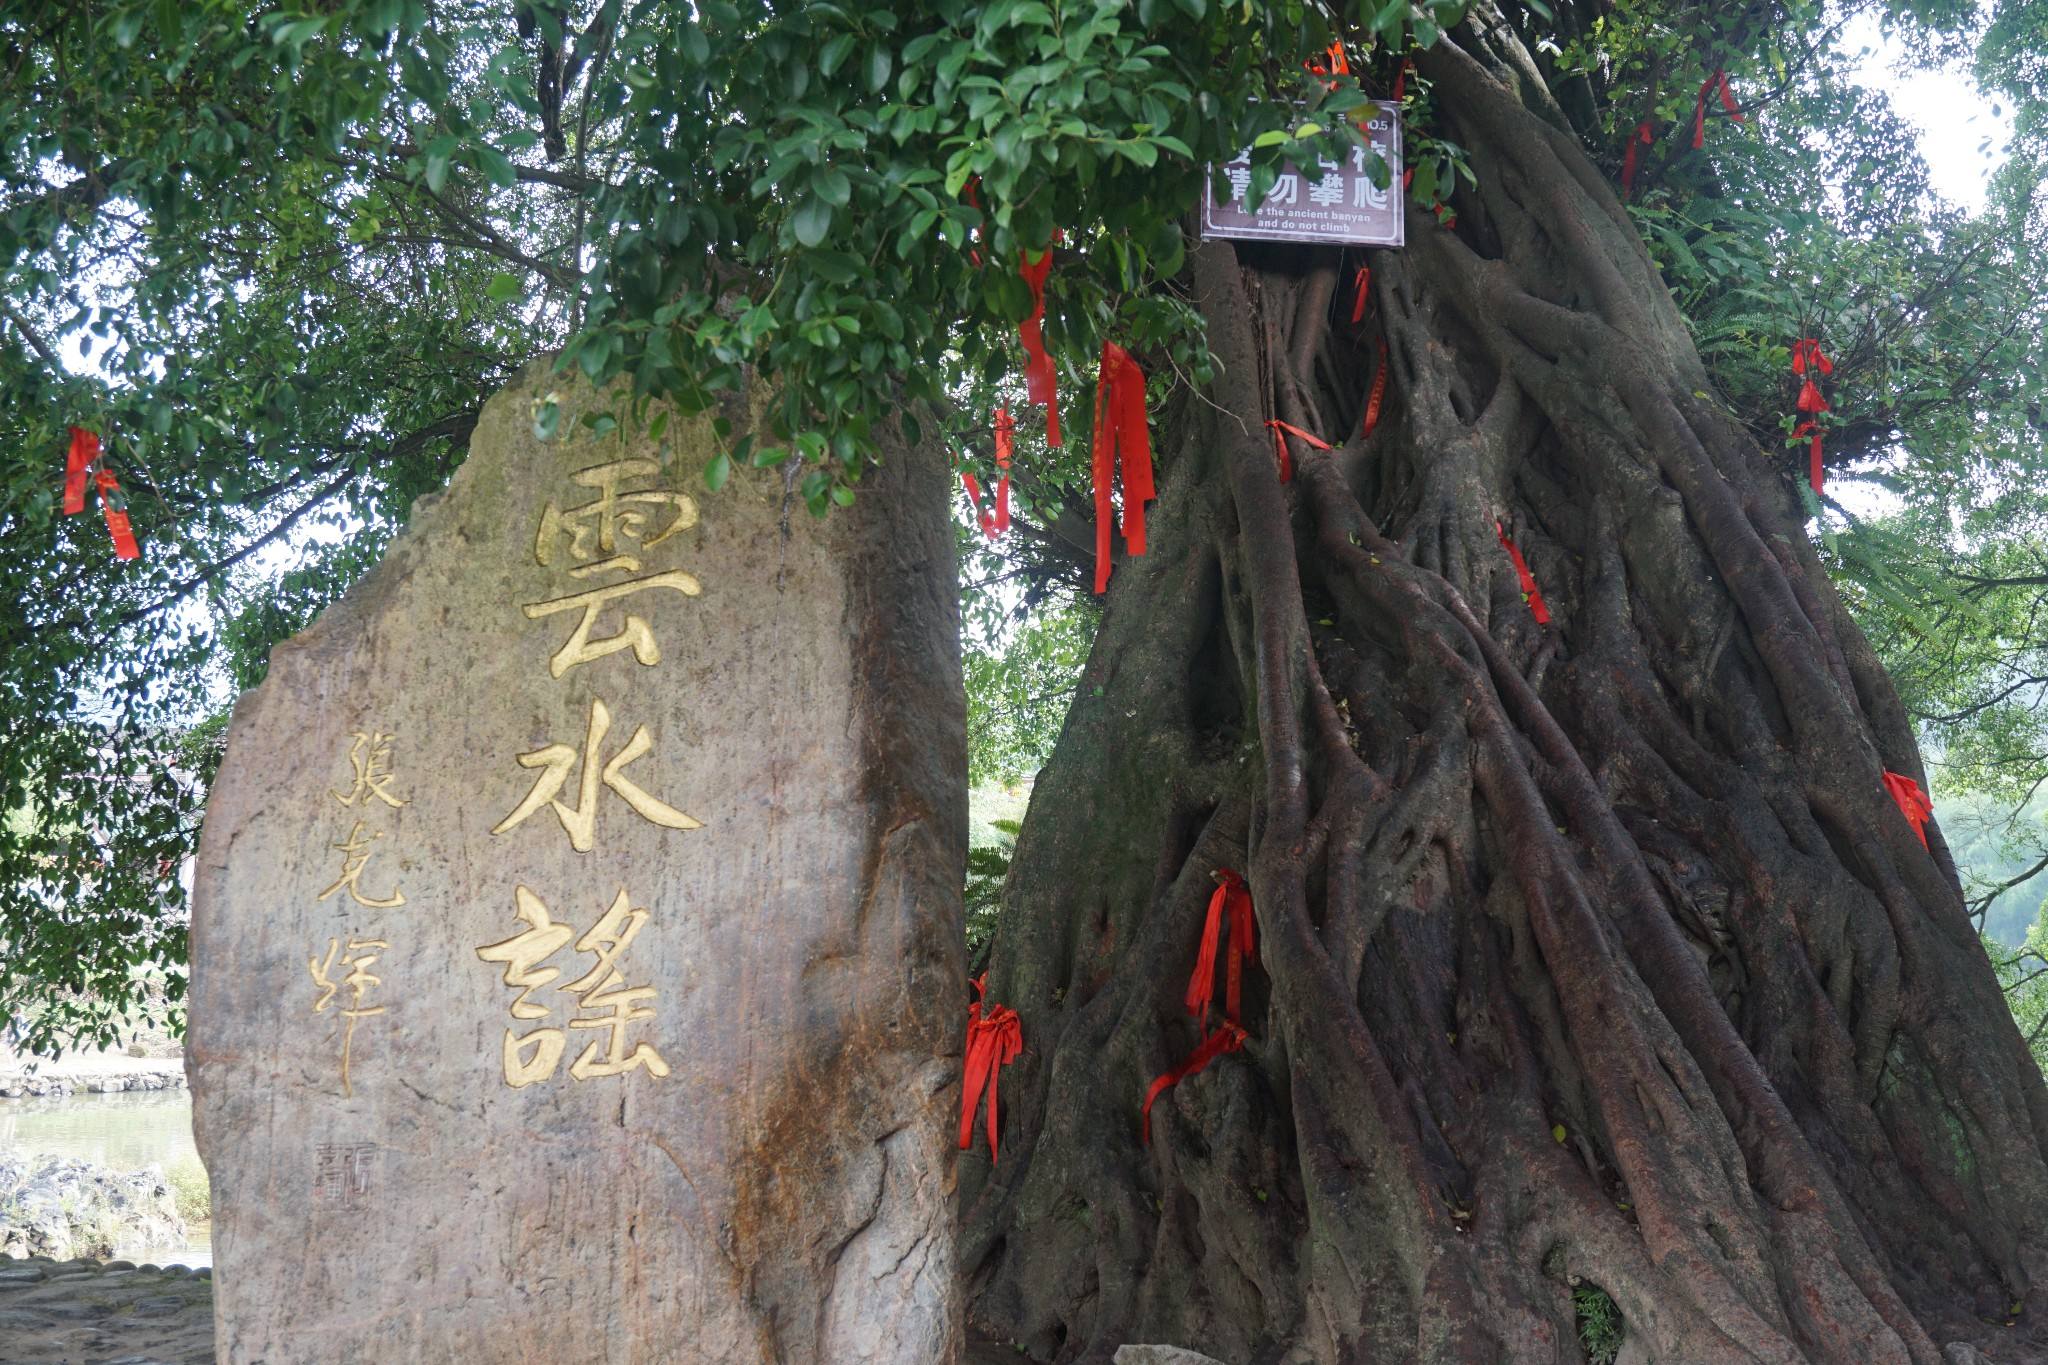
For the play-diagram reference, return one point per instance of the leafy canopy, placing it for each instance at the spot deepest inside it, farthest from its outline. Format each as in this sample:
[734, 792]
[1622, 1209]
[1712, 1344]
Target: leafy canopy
[278, 258]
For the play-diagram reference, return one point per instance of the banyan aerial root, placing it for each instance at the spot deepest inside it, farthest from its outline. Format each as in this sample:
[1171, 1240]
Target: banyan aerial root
[1590, 954]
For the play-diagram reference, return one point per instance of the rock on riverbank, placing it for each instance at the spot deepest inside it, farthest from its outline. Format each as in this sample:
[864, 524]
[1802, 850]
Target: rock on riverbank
[57, 1207]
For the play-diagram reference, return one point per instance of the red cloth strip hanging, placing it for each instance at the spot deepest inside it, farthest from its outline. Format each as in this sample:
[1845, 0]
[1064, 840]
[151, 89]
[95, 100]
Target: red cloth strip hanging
[115, 507]
[1228, 1037]
[1537, 608]
[1359, 286]
[1122, 446]
[1811, 430]
[1041, 381]
[994, 1040]
[1699, 114]
[1378, 396]
[1643, 137]
[1280, 454]
[1807, 352]
[1912, 801]
[1006, 450]
[78, 461]
[1333, 63]
[83, 459]
[1401, 79]
[1230, 915]
[973, 487]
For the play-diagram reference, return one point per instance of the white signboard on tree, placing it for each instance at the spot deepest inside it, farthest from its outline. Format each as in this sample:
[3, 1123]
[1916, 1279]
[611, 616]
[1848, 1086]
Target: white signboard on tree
[1338, 202]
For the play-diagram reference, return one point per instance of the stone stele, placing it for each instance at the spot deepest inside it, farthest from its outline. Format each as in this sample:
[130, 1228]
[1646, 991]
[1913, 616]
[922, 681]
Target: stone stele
[576, 959]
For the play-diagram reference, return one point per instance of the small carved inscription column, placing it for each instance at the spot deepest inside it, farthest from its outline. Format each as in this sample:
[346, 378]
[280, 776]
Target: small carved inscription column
[576, 934]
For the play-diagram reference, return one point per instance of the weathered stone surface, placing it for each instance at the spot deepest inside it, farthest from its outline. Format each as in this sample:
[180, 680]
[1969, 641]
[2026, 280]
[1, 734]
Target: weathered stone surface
[784, 1192]
[1161, 1355]
[72, 1313]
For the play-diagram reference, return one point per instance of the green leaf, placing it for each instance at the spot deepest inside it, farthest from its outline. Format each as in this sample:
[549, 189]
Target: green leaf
[835, 53]
[717, 470]
[812, 220]
[503, 286]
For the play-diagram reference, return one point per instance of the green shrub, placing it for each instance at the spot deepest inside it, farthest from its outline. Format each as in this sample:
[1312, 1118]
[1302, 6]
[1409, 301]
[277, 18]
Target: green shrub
[189, 1187]
[1600, 1326]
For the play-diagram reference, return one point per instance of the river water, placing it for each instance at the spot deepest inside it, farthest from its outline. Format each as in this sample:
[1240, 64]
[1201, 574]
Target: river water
[124, 1131]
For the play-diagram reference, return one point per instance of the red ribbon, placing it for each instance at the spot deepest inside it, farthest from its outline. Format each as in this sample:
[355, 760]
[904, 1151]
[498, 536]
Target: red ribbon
[1699, 114]
[1230, 908]
[1228, 1037]
[1913, 802]
[993, 1042]
[85, 457]
[1529, 589]
[1401, 79]
[1041, 382]
[1280, 454]
[1122, 445]
[1378, 395]
[1358, 292]
[1006, 450]
[1811, 430]
[1337, 66]
[973, 487]
[1806, 351]
[1645, 137]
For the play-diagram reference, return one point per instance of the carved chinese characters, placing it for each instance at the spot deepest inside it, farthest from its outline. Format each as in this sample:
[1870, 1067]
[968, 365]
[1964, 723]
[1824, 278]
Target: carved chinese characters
[576, 953]
[591, 537]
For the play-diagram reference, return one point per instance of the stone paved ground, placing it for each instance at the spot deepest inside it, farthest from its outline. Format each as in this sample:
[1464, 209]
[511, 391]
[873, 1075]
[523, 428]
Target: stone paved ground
[104, 1313]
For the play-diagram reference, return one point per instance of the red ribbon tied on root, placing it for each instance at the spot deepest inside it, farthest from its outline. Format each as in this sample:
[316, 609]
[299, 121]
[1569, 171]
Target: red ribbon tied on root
[1913, 803]
[1041, 381]
[1280, 455]
[1699, 114]
[993, 1041]
[1378, 396]
[1359, 285]
[1122, 445]
[86, 458]
[1228, 1037]
[1537, 608]
[1230, 916]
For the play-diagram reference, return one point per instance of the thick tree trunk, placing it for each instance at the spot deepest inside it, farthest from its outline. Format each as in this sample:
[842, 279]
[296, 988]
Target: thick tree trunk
[1591, 954]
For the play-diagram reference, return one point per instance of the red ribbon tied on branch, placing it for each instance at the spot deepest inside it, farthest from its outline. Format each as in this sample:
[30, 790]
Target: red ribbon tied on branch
[973, 487]
[86, 458]
[1359, 286]
[1228, 1037]
[1699, 114]
[1378, 396]
[1333, 63]
[1537, 608]
[1641, 137]
[1006, 450]
[1230, 915]
[1041, 381]
[1811, 430]
[1122, 443]
[994, 1039]
[1280, 455]
[1808, 360]
[1913, 803]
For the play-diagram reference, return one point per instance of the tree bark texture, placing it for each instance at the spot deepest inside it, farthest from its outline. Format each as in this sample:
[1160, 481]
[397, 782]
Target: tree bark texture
[1588, 954]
